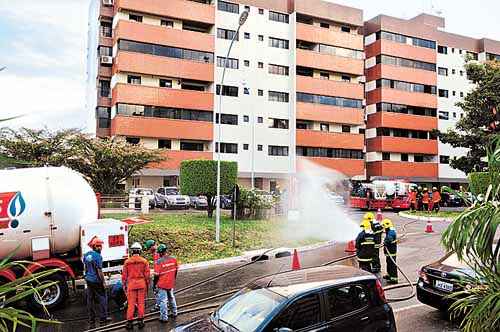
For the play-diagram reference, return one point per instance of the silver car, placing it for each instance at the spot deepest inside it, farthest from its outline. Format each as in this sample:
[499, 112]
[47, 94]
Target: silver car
[171, 198]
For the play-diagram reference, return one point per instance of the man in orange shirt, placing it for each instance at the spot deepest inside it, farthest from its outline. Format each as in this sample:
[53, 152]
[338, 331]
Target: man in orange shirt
[166, 268]
[425, 200]
[413, 199]
[436, 199]
[135, 279]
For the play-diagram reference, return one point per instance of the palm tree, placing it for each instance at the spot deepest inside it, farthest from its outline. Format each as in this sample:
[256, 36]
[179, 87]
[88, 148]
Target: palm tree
[472, 237]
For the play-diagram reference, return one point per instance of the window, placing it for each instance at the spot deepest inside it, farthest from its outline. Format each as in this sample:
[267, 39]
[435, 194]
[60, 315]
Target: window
[324, 25]
[132, 140]
[278, 43]
[260, 119]
[131, 79]
[104, 88]
[345, 78]
[444, 159]
[304, 312]
[452, 50]
[226, 147]
[278, 17]
[402, 62]
[163, 112]
[245, 146]
[304, 71]
[443, 71]
[191, 146]
[386, 156]
[301, 125]
[231, 63]
[259, 147]
[278, 96]
[329, 152]
[461, 73]
[166, 51]
[345, 29]
[403, 39]
[228, 7]
[344, 300]
[245, 118]
[453, 71]
[103, 115]
[164, 83]
[324, 76]
[226, 34]
[274, 150]
[361, 131]
[261, 38]
[461, 94]
[246, 63]
[459, 51]
[328, 100]
[443, 93]
[404, 157]
[334, 50]
[229, 119]
[246, 91]
[105, 51]
[324, 127]
[106, 29]
[453, 92]
[280, 123]
[442, 49]
[278, 70]
[260, 65]
[346, 129]
[167, 23]
[397, 108]
[134, 17]
[247, 35]
[227, 90]
[418, 158]
[261, 11]
[260, 92]
[164, 144]
[444, 115]
[405, 86]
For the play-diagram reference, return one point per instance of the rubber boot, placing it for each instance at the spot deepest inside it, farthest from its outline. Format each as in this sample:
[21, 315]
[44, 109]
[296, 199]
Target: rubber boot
[130, 325]
[140, 325]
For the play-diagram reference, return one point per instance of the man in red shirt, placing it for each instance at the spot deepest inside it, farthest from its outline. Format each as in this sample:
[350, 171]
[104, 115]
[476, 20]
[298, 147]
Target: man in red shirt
[135, 279]
[436, 199]
[166, 268]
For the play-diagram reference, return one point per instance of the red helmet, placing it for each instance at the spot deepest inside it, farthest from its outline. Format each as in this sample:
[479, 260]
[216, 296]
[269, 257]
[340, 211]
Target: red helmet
[95, 241]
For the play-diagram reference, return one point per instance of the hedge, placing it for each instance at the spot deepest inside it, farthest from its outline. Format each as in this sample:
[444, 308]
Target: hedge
[479, 182]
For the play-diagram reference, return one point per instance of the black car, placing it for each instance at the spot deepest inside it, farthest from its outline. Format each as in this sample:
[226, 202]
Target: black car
[333, 298]
[441, 278]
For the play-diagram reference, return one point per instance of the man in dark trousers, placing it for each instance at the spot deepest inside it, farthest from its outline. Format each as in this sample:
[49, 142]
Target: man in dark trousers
[166, 269]
[365, 246]
[94, 278]
[377, 230]
[390, 250]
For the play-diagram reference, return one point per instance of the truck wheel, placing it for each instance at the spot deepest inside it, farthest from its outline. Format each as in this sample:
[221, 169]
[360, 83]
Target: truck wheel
[51, 297]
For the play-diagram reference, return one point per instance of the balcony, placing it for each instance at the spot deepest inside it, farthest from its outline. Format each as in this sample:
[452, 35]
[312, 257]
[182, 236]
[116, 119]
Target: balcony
[103, 101]
[348, 167]
[403, 169]
[402, 121]
[162, 66]
[319, 112]
[401, 97]
[330, 88]
[159, 35]
[173, 158]
[180, 9]
[104, 71]
[329, 62]
[402, 145]
[316, 138]
[317, 34]
[145, 95]
[161, 128]
[105, 41]
[401, 74]
[106, 11]
[401, 50]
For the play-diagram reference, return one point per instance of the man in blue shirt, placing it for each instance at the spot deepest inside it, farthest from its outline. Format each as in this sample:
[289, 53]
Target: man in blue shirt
[96, 292]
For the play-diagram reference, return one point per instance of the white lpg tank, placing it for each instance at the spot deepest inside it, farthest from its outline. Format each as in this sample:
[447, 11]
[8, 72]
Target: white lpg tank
[38, 203]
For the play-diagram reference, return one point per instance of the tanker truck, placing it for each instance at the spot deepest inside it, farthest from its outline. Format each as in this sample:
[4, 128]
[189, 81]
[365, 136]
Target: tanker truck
[48, 216]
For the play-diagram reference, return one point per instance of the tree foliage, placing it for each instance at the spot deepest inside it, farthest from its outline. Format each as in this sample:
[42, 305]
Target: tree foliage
[473, 131]
[199, 177]
[104, 163]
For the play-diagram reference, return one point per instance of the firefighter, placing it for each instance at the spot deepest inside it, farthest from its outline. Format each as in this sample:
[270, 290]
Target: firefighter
[419, 198]
[135, 279]
[365, 246]
[413, 199]
[150, 245]
[94, 278]
[391, 246]
[436, 199]
[377, 230]
[425, 200]
[166, 270]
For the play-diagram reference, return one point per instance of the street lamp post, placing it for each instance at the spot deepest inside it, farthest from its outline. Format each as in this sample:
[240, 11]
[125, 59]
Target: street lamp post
[242, 20]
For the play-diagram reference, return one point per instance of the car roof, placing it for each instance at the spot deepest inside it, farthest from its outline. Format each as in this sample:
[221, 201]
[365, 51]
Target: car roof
[292, 283]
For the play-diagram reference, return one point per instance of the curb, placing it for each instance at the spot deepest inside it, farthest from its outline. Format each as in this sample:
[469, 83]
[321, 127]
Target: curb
[424, 218]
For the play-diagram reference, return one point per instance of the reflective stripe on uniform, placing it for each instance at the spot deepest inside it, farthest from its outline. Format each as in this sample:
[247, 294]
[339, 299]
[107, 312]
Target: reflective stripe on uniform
[367, 242]
[378, 246]
[392, 255]
[364, 259]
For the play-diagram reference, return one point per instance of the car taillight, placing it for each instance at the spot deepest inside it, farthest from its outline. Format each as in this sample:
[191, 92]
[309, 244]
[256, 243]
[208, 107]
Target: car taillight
[423, 276]
[380, 291]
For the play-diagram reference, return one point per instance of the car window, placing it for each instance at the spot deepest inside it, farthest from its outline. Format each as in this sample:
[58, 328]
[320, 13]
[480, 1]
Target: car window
[343, 300]
[302, 313]
[161, 191]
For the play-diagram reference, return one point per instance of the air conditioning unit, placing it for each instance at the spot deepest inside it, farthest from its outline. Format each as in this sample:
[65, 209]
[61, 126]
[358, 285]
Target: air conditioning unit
[106, 60]
[107, 2]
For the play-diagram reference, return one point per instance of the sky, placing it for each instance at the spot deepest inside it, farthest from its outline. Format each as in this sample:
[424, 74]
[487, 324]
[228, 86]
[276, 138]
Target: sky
[43, 46]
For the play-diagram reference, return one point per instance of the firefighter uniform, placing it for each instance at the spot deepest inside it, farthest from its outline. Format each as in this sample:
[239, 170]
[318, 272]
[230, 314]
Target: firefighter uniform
[166, 269]
[135, 278]
[413, 200]
[365, 246]
[377, 234]
[436, 199]
[425, 200]
[390, 250]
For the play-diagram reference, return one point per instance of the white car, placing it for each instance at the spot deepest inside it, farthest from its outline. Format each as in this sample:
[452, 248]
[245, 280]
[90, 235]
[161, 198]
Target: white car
[170, 198]
[138, 193]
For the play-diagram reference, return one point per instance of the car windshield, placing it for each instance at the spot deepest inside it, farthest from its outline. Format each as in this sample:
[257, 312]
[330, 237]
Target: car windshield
[172, 192]
[144, 192]
[247, 309]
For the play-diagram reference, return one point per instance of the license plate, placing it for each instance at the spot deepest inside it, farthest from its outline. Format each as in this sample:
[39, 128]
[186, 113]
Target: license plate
[446, 286]
[116, 240]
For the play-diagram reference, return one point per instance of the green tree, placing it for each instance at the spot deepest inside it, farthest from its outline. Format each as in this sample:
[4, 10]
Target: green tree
[472, 237]
[473, 131]
[199, 177]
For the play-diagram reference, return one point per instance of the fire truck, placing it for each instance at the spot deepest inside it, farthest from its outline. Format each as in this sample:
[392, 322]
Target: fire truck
[382, 195]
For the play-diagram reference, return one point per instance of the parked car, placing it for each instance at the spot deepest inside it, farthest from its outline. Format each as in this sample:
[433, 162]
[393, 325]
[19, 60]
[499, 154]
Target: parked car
[138, 193]
[451, 200]
[198, 202]
[171, 198]
[226, 202]
[332, 298]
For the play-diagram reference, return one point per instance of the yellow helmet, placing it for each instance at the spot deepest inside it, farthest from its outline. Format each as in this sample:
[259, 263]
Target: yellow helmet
[365, 224]
[387, 223]
[369, 216]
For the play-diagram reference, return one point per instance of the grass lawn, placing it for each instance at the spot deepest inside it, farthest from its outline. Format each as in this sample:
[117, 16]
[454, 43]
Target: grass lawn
[443, 214]
[191, 237]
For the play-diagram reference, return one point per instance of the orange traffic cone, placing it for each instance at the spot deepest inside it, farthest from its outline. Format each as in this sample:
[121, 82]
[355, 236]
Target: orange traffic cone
[379, 217]
[295, 260]
[428, 227]
[350, 247]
